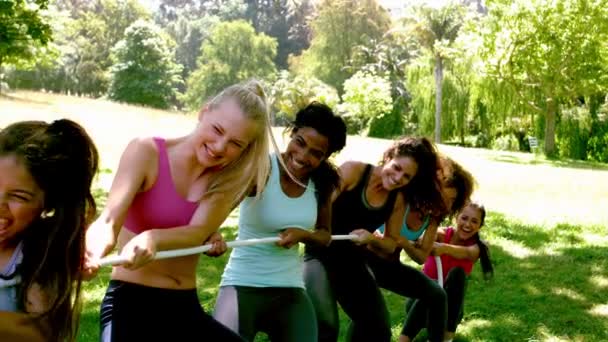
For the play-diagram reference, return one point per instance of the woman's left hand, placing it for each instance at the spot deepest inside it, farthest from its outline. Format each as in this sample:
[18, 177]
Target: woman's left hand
[139, 251]
[291, 236]
[219, 246]
[438, 248]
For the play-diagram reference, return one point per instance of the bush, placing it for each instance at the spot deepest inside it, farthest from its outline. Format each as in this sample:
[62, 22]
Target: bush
[597, 146]
[507, 142]
[354, 124]
[387, 125]
[289, 93]
[366, 97]
[572, 133]
[144, 71]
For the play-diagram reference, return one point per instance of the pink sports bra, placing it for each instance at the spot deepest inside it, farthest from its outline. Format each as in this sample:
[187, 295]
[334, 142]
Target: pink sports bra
[160, 206]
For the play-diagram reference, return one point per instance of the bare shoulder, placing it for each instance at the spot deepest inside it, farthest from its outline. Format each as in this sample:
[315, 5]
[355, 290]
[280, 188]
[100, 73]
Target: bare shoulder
[140, 151]
[350, 172]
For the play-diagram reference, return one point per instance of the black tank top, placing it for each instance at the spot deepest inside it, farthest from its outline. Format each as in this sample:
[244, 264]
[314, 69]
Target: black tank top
[352, 211]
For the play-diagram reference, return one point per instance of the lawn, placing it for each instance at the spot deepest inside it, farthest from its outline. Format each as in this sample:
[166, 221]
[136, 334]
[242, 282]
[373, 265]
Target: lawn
[546, 226]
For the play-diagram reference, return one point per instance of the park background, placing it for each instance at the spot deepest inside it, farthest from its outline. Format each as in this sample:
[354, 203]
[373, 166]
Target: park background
[482, 79]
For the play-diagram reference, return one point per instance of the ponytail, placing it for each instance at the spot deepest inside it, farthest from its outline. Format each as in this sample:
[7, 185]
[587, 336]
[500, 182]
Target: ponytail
[63, 160]
[484, 258]
[326, 180]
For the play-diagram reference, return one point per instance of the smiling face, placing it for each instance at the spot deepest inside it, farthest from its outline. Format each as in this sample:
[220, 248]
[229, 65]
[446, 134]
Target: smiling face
[398, 172]
[223, 134]
[305, 151]
[21, 200]
[469, 222]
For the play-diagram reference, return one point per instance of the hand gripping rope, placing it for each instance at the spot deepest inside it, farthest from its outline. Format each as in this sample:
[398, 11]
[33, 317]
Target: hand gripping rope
[117, 259]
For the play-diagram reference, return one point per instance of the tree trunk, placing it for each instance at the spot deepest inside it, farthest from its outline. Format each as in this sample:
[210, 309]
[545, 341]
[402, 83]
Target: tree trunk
[550, 128]
[438, 96]
[462, 124]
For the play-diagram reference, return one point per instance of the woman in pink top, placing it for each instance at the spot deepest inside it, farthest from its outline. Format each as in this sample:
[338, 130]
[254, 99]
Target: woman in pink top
[171, 194]
[458, 249]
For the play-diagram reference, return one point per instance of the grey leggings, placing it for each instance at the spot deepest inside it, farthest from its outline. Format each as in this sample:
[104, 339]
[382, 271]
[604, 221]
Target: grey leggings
[351, 284]
[284, 313]
[416, 312]
[353, 280]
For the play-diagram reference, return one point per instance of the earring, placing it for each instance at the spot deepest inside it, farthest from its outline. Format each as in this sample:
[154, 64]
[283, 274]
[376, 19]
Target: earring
[46, 214]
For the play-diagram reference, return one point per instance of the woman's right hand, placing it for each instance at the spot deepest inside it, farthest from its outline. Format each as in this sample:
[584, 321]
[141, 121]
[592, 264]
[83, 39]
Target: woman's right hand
[363, 237]
[99, 242]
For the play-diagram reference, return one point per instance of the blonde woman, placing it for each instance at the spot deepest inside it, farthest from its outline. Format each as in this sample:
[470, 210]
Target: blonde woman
[171, 194]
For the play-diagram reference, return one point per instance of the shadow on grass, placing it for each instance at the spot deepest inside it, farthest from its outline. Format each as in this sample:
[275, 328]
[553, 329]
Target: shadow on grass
[561, 295]
[558, 295]
[531, 236]
[16, 98]
[540, 297]
[534, 160]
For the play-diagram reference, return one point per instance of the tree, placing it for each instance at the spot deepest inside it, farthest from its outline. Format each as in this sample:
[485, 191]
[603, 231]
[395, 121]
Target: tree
[366, 97]
[339, 27]
[285, 20]
[233, 53]
[435, 29]
[289, 93]
[22, 29]
[190, 22]
[550, 53]
[144, 71]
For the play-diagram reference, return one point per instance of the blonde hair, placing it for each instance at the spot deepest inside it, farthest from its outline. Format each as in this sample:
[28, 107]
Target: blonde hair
[251, 169]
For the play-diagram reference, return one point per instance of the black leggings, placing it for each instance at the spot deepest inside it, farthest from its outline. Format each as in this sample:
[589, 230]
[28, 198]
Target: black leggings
[133, 312]
[355, 279]
[284, 313]
[352, 285]
[416, 311]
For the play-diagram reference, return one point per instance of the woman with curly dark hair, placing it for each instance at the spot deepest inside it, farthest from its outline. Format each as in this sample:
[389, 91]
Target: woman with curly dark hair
[368, 196]
[420, 224]
[46, 171]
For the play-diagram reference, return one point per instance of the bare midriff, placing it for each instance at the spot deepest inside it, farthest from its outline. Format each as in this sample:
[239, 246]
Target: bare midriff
[174, 273]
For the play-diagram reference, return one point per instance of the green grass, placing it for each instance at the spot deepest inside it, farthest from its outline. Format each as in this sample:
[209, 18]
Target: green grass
[546, 227]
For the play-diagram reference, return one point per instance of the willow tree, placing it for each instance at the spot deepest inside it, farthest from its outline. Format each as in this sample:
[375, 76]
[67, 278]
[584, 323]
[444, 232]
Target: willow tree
[339, 27]
[436, 29]
[549, 52]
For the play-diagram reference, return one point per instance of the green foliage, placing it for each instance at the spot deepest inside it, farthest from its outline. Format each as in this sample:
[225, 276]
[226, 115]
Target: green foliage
[367, 96]
[284, 20]
[234, 52]
[573, 133]
[506, 142]
[420, 83]
[190, 23]
[339, 27]
[144, 71]
[78, 59]
[290, 93]
[597, 146]
[548, 52]
[189, 34]
[23, 28]
[435, 29]
[387, 125]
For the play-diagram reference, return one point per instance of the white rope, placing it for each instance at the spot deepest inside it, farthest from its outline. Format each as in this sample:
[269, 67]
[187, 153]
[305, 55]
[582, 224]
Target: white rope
[117, 259]
[10, 282]
[439, 270]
